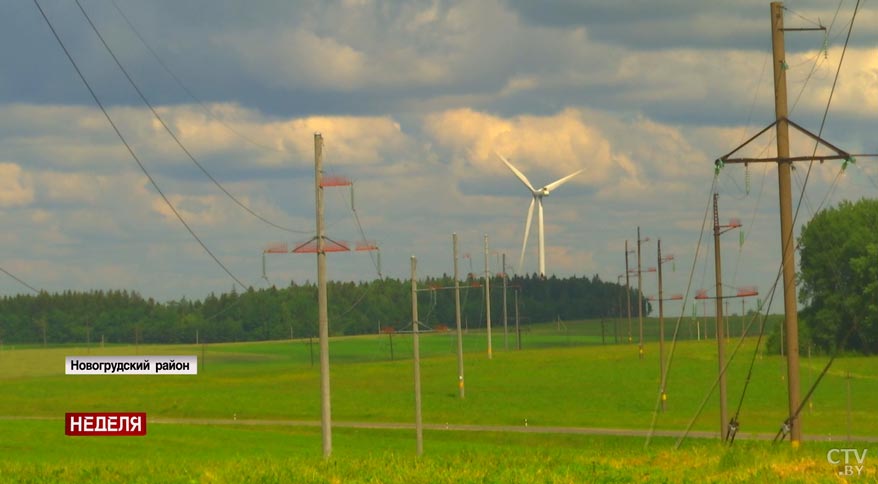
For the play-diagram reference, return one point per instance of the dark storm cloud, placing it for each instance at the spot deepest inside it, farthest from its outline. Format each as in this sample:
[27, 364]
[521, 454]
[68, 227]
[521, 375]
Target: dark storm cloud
[680, 23]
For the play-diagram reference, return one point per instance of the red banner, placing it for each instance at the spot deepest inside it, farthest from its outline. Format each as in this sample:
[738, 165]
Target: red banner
[105, 423]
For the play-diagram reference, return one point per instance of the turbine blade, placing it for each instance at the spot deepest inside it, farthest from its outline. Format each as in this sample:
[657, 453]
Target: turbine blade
[530, 215]
[557, 183]
[542, 239]
[517, 173]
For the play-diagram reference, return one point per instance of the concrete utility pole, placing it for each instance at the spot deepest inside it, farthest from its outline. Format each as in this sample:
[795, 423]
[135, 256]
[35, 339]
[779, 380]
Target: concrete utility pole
[488, 300]
[619, 312]
[720, 331]
[639, 298]
[517, 326]
[640, 292]
[460, 384]
[628, 289]
[505, 324]
[728, 315]
[661, 302]
[322, 313]
[419, 425]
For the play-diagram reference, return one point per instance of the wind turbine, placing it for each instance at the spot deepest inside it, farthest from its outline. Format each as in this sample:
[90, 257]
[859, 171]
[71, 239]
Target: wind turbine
[537, 197]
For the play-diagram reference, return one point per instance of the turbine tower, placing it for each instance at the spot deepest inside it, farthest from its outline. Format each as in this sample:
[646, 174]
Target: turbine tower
[537, 197]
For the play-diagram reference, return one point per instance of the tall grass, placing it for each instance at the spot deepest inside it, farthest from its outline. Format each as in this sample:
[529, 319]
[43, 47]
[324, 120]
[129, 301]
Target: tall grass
[561, 385]
[37, 452]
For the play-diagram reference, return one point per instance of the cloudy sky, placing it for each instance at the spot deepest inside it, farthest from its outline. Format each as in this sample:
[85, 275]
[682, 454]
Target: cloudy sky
[413, 98]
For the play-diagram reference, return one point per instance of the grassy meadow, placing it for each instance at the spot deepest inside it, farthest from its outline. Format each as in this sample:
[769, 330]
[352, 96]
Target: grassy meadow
[563, 377]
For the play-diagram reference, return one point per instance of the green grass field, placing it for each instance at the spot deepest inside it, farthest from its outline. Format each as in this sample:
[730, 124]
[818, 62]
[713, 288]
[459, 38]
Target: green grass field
[562, 378]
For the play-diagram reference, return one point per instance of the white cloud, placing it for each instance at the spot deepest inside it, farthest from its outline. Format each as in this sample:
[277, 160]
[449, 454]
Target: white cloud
[72, 187]
[559, 144]
[196, 210]
[412, 99]
[301, 57]
[857, 89]
[16, 186]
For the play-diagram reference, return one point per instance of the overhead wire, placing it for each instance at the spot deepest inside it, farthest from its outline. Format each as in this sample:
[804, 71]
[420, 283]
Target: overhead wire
[237, 301]
[369, 286]
[801, 185]
[734, 422]
[355, 216]
[749, 226]
[780, 270]
[795, 217]
[806, 19]
[19, 280]
[816, 62]
[682, 313]
[784, 430]
[173, 135]
[186, 89]
[362, 232]
[131, 150]
[832, 188]
[868, 176]
[716, 380]
[829, 102]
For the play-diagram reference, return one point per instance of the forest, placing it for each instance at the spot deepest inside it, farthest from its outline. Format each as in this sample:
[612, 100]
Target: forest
[121, 316]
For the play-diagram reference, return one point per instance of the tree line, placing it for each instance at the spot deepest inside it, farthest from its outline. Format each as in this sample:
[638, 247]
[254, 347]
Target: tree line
[121, 316]
[839, 278]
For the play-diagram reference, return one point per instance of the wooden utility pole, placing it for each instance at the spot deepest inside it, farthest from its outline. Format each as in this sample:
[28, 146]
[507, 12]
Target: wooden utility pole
[419, 425]
[322, 313]
[791, 319]
[460, 384]
[488, 300]
[790, 328]
[720, 331]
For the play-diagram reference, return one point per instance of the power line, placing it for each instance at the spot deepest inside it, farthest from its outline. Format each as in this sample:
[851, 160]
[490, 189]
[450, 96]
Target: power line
[828, 102]
[771, 295]
[682, 310]
[130, 150]
[831, 189]
[777, 279]
[186, 89]
[362, 232]
[816, 63]
[802, 198]
[806, 19]
[19, 280]
[174, 136]
[356, 216]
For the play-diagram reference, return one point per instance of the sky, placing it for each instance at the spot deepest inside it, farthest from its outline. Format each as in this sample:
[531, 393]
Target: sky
[413, 100]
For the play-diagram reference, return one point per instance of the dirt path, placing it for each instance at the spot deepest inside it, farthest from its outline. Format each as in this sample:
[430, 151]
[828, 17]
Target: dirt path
[534, 429]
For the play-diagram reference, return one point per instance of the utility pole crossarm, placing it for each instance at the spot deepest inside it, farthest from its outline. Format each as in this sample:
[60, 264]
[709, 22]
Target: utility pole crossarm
[840, 154]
